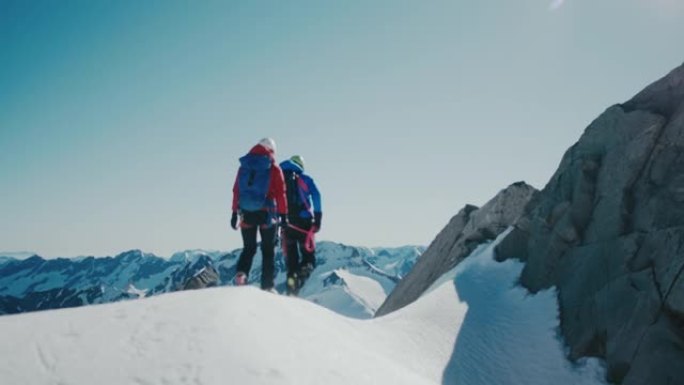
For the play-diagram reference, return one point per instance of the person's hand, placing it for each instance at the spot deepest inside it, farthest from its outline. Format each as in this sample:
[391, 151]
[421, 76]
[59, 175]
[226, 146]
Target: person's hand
[233, 220]
[317, 219]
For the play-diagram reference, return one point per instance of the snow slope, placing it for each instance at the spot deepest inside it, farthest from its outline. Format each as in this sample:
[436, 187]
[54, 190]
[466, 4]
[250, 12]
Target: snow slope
[475, 329]
[509, 336]
[219, 336]
[364, 290]
[352, 295]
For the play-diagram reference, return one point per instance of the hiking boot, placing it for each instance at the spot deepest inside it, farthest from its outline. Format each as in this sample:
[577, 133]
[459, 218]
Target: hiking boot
[240, 279]
[304, 274]
[292, 285]
[305, 271]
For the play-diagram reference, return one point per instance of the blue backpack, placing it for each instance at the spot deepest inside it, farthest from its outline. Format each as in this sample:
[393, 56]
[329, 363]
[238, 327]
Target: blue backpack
[297, 195]
[253, 181]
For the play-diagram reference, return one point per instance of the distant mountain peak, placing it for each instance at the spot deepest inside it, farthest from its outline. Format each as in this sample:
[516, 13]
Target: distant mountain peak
[16, 254]
[40, 284]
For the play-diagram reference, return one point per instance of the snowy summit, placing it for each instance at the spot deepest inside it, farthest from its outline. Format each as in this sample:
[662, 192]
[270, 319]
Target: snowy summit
[475, 328]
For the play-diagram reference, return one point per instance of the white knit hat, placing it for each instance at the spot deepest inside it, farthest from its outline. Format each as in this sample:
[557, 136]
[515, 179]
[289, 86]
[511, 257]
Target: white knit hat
[269, 144]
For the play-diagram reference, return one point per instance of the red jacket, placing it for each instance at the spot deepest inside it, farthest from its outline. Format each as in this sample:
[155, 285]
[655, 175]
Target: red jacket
[276, 189]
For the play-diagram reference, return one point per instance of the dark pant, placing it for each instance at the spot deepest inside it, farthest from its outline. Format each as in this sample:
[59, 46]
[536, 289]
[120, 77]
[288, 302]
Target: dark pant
[249, 239]
[294, 241]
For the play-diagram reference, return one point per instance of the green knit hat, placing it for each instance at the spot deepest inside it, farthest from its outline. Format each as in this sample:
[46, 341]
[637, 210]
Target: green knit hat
[298, 160]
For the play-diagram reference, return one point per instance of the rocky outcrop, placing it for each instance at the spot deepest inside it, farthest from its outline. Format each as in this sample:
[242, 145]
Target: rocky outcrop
[207, 277]
[608, 232]
[466, 230]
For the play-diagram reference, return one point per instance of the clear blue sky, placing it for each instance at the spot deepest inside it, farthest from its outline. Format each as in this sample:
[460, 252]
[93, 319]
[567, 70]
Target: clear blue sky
[121, 122]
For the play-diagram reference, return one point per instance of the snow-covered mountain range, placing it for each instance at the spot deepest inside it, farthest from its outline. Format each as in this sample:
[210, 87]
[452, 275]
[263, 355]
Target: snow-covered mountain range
[343, 277]
[475, 327]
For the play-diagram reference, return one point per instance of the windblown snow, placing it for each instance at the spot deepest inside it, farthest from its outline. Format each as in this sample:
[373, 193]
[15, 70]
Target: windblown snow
[475, 329]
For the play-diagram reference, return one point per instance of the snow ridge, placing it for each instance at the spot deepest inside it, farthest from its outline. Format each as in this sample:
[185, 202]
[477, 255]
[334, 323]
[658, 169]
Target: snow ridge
[477, 328]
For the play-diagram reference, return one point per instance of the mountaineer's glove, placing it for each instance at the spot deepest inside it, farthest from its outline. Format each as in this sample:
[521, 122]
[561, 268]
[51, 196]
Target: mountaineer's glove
[282, 220]
[233, 220]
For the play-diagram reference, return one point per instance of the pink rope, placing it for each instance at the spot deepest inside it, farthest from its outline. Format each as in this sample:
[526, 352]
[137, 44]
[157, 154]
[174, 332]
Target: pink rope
[310, 242]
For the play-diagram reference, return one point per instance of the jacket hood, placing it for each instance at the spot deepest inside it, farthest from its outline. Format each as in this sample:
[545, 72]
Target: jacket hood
[261, 150]
[289, 165]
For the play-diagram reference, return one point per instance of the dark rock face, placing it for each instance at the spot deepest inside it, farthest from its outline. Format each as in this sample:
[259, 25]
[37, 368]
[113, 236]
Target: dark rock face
[188, 275]
[468, 229]
[207, 277]
[608, 231]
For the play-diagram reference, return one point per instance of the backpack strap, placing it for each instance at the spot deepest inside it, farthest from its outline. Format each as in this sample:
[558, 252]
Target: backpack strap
[303, 193]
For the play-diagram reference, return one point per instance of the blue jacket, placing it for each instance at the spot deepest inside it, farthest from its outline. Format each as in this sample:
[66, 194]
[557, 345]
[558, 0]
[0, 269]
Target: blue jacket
[309, 192]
